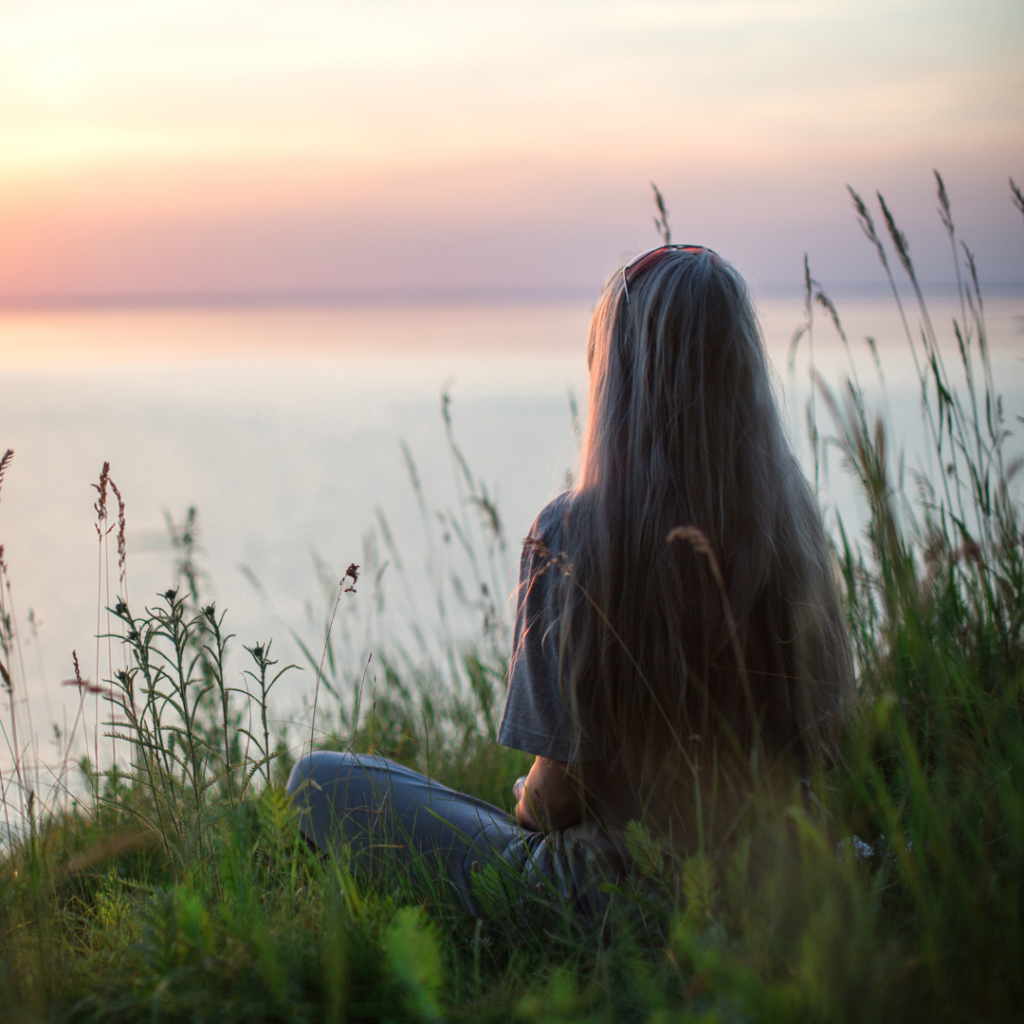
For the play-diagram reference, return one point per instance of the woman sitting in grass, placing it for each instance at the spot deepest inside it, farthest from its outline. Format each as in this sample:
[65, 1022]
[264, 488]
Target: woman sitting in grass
[678, 642]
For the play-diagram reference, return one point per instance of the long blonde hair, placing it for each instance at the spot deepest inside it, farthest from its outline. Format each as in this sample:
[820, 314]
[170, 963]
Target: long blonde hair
[683, 430]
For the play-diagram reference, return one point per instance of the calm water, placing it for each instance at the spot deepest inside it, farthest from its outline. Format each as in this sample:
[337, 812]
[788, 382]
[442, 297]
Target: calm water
[282, 426]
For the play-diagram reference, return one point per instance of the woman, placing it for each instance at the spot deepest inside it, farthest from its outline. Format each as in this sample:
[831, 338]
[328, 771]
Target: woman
[678, 639]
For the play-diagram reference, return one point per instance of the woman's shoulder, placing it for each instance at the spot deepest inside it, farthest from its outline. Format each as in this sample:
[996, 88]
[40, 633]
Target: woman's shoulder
[548, 524]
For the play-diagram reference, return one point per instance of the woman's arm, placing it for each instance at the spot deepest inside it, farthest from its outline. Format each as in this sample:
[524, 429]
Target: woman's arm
[550, 798]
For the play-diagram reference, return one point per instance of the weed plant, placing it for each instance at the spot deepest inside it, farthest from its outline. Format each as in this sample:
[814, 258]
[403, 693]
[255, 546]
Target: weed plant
[178, 887]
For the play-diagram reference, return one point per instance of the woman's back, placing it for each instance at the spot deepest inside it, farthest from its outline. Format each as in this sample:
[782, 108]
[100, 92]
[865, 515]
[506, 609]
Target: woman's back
[682, 666]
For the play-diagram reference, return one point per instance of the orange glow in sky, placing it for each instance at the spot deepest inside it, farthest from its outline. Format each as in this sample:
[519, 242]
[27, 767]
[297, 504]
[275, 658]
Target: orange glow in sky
[185, 147]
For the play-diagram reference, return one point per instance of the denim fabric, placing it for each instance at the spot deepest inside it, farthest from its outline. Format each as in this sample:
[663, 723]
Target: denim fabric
[393, 818]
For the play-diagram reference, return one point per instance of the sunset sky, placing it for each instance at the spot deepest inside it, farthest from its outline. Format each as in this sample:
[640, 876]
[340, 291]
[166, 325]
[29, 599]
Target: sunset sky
[222, 147]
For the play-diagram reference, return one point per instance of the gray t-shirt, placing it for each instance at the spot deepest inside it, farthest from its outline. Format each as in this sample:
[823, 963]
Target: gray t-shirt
[536, 719]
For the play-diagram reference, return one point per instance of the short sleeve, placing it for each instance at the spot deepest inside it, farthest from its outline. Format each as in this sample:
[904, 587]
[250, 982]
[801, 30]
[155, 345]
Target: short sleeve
[536, 719]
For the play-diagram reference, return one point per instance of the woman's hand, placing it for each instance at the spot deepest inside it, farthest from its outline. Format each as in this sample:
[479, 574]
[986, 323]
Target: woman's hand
[549, 797]
[518, 788]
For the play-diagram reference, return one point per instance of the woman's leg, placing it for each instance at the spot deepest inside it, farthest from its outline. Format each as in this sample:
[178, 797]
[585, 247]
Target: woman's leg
[393, 818]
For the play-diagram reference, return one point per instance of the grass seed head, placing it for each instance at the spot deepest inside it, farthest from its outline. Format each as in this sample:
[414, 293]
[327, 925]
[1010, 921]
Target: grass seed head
[100, 505]
[121, 548]
[1018, 201]
[4, 463]
[351, 573]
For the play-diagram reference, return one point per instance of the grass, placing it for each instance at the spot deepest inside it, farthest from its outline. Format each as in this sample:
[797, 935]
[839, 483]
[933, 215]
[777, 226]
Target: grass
[174, 886]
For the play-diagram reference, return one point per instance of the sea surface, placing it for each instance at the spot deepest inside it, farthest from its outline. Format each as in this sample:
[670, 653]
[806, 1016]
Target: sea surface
[283, 427]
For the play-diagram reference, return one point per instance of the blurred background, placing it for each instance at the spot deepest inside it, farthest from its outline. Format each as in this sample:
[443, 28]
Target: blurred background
[244, 245]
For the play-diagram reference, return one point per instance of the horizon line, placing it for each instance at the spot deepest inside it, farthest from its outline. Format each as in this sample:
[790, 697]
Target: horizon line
[376, 297]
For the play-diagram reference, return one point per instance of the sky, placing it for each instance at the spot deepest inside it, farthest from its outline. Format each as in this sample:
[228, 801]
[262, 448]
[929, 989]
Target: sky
[255, 148]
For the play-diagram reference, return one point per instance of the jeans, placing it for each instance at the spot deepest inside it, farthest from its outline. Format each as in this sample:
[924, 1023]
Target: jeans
[392, 818]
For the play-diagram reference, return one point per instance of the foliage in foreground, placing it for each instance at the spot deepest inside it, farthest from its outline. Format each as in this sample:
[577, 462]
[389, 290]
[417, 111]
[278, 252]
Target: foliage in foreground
[183, 890]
